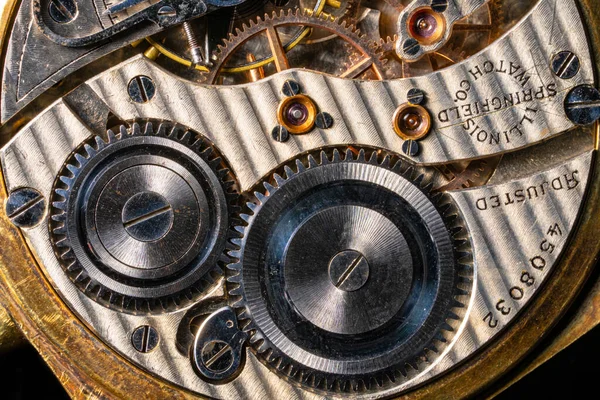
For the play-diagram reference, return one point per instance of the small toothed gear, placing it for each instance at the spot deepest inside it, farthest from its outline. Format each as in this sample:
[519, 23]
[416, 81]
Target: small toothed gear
[369, 61]
[351, 276]
[140, 221]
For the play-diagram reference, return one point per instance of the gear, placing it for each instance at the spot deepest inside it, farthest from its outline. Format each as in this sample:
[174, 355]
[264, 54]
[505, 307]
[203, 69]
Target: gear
[349, 275]
[140, 221]
[228, 60]
[175, 43]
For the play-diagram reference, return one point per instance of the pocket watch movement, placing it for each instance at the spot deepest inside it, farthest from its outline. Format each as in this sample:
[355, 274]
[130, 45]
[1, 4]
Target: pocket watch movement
[297, 198]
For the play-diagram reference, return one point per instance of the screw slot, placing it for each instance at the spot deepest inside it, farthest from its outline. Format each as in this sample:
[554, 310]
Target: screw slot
[141, 89]
[145, 339]
[26, 207]
[565, 65]
[217, 356]
[63, 11]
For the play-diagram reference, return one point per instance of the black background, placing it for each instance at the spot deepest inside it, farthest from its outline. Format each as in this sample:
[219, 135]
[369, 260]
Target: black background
[572, 373]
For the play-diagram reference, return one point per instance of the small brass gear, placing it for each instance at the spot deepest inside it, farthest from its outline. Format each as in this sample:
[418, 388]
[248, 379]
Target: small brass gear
[369, 62]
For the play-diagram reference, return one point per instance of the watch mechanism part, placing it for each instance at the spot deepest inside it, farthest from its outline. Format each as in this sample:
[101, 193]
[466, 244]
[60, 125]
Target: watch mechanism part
[297, 114]
[424, 26]
[145, 339]
[140, 220]
[26, 207]
[350, 247]
[284, 32]
[218, 351]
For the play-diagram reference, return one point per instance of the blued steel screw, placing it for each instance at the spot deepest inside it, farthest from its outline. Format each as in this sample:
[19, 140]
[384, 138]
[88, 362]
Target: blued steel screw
[141, 89]
[439, 6]
[415, 96]
[62, 11]
[166, 12]
[582, 105]
[144, 339]
[411, 47]
[26, 207]
[280, 134]
[565, 65]
[324, 120]
[290, 88]
[410, 148]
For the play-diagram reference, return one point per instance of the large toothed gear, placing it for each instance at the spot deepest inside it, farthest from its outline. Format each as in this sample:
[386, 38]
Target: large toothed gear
[363, 55]
[350, 275]
[140, 220]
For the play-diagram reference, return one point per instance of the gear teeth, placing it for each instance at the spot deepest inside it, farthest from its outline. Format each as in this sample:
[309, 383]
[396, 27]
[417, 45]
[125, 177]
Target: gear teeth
[432, 350]
[299, 166]
[111, 136]
[324, 160]
[373, 159]
[61, 194]
[280, 181]
[300, 18]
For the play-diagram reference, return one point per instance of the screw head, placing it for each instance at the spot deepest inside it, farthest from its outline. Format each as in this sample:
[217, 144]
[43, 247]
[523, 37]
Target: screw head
[410, 148]
[349, 270]
[411, 47]
[439, 6]
[147, 216]
[280, 134]
[25, 207]
[145, 339]
[565, 65]
[290, 88]
[166, 13]
[217, 356]
[415, 96]
[141, 89]
[582, 105]
[324, 120]
[62, 11]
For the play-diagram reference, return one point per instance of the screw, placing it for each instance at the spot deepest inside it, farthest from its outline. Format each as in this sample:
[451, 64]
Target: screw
[290, 88]
[349, 270]
[324, 120]
[410, 148]
[439, 6]
[147, 216]
[582, 105]
[25, 207]
[141, 89]
[217, 356]
[144, 339]
[63, 11]
[166, 12]
[280, 134]
[415, 96]
[565, 65]
[411, 47]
